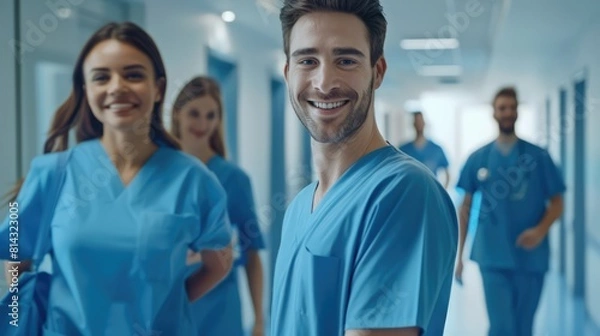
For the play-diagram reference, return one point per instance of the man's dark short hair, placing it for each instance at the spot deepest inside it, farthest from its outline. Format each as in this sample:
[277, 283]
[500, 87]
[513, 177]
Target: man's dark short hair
[508, 91]
[370, 12]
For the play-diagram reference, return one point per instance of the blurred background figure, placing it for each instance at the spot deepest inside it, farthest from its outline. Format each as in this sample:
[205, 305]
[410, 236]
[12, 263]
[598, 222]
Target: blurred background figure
[522, 192]
[198, 124]
[426, 151]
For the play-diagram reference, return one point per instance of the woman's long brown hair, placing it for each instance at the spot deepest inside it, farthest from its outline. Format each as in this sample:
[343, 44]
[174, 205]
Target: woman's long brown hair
[199, 87]
[76, 113]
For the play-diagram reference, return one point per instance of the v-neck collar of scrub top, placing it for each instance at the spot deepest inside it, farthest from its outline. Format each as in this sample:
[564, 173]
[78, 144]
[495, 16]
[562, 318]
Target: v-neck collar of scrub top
[331, 194]
[506, 149]
[117, 187]
[421, 148]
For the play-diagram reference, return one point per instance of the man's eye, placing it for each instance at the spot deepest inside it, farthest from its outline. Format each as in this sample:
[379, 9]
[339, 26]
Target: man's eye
[347, 62]
[307, 62]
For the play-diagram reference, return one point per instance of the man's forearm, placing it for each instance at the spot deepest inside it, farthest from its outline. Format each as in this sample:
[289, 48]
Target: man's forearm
[553, 212]
[464, 216]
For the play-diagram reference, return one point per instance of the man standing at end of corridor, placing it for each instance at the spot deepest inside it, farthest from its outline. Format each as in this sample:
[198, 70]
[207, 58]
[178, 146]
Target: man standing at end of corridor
[425, 150]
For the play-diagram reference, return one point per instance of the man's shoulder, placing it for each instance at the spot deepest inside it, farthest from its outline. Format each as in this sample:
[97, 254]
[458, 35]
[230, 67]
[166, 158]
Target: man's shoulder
[403, 182]
[434, 145]
[532, 148]
[399, 168]
[481, 151]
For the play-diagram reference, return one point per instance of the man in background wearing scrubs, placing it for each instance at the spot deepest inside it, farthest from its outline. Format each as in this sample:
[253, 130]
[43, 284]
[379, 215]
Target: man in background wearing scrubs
[521, 191]
[425, 150]
[369, 248]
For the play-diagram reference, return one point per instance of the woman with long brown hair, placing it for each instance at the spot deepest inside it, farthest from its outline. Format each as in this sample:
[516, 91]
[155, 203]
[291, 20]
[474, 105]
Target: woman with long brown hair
[131, 205]
[198, 123]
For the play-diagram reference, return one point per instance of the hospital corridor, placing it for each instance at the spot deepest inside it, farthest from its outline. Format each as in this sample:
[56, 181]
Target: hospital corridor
[300, 167]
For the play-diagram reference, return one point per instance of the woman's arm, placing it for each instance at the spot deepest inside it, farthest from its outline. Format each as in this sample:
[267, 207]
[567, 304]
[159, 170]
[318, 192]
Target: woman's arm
[254, 272]
[216, 266]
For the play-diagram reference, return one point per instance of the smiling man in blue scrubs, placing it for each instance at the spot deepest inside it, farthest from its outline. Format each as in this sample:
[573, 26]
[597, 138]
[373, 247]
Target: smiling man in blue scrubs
[369, 248]
[425, 150]
[521, 191]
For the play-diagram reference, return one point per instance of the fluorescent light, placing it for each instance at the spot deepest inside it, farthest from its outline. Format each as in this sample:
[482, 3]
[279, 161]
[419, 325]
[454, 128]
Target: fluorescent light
[228, 16]
[440, 70]
[428, 44]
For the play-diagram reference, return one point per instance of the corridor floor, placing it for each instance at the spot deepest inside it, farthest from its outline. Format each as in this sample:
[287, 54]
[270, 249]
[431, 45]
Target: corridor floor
[559, 314]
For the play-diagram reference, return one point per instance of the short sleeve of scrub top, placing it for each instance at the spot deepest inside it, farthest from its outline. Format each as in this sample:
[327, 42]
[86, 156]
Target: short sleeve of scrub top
[216, 232]
[468, 175]
[403, 260]
[443, 159]
[28, 209]
[554, 183]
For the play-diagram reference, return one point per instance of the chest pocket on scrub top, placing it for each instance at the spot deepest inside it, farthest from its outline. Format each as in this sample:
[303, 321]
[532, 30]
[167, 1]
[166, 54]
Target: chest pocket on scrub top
[162, 237]
[320, 288]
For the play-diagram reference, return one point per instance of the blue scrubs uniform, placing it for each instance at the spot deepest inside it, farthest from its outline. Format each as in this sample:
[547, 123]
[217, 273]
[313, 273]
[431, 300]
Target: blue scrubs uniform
[515, 188]
[377, 252]
[118, 257]
[219, 311]
[431, 155]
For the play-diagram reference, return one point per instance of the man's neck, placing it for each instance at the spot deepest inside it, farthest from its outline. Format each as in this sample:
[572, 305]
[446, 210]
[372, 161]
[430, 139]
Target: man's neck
[332, 160]
[420, 140]
[507, 138]
[505, 142]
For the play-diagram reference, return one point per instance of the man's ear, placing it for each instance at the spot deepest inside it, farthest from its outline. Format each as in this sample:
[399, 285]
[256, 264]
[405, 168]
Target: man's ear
[286, 68]
[380, 69]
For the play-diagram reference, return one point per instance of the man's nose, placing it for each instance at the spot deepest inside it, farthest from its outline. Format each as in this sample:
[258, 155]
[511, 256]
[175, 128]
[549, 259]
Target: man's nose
[326, 79]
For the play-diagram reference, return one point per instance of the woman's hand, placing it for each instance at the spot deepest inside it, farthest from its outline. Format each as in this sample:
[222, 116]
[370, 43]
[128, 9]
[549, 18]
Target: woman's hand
[216, 264]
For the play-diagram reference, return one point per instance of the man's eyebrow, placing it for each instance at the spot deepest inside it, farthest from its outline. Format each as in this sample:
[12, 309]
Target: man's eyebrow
[348, 51]
[336, 52]
[304, 52]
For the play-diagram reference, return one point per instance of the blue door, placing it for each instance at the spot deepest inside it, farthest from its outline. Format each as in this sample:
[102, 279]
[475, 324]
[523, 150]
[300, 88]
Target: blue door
[225, 72]
[278, 183]
[563, 160]
[579, 189]
[306, 157]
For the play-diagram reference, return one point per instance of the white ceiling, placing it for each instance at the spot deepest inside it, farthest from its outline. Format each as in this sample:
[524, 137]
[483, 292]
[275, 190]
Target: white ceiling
[505, 40]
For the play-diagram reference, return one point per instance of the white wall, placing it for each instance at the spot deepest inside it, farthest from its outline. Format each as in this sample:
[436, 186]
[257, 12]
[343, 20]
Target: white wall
[8, 128]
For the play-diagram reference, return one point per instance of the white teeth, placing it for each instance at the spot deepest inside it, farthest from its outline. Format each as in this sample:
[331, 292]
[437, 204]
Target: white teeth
[328, 106]
[120, 106]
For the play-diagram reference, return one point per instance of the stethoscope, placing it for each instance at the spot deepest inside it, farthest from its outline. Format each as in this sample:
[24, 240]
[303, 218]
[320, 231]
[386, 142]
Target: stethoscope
[483, 173]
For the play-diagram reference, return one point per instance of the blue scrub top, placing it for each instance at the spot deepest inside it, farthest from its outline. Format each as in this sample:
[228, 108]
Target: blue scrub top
[377, 252]
[431, 155]
[119, 252]
[219, 312]
[240, 207]
[515, 188]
